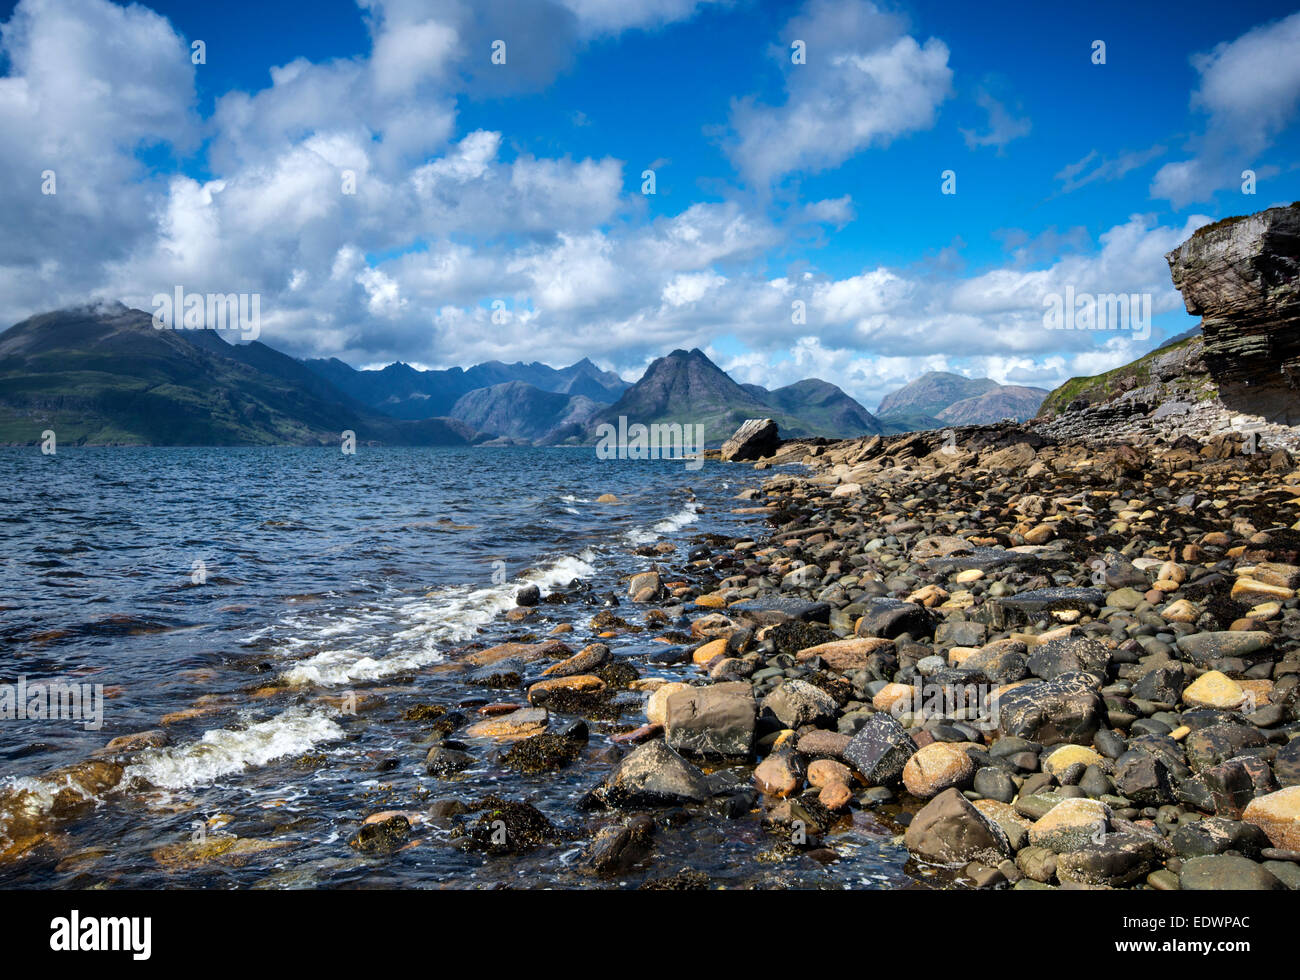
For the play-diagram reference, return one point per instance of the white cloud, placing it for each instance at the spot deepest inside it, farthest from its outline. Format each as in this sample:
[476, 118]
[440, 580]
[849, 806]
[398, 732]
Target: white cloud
[864, 84]
[1003, 127]
[1250, 90]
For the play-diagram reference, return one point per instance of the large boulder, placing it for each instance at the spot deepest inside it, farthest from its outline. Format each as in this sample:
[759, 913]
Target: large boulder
[715, 721]
[950, 830]
[880, 750]
[652, 776]
[754, 439]
[1067, 708]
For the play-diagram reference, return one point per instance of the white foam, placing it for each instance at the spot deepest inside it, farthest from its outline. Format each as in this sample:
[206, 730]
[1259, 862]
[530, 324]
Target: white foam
[424, 626]
[222, 751]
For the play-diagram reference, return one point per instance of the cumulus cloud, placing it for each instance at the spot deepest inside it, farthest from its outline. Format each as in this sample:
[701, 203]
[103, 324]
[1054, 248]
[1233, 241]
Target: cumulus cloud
[374, 230]
[1249, 91]
[865, 83]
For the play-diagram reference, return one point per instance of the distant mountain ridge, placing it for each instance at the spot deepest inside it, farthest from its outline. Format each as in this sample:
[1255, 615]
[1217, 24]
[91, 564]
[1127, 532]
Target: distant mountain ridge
[685, 387]
[939, 398]
[404, 392]
[108, 376]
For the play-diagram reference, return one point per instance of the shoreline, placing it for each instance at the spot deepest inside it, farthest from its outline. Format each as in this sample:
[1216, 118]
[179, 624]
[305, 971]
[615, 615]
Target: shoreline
[769, 689]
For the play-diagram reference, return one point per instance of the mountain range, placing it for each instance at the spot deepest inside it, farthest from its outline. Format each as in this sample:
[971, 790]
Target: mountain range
[107, 376]
[940, 398]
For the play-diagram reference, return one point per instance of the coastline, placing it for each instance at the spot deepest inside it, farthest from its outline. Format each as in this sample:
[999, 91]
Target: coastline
[772, 690]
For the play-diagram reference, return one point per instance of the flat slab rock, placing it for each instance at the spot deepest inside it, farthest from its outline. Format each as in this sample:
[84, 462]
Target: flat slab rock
[777, 609]
[985, 559]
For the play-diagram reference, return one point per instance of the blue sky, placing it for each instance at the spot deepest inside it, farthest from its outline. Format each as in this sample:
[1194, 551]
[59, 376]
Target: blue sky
[520, 184]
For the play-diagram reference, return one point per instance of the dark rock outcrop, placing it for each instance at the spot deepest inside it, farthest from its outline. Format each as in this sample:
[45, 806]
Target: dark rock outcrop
[1242, 276]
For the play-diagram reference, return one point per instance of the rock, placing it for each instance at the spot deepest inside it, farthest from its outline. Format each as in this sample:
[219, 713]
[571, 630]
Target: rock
[824, 772]
[524, 652]
[1070, 825]
[1065, 709]
[652, 776]
[543, 753]
[770, 609]
[1069, 653]
[1059, 760]
[1214, 690]
[823, 744]
[656, 710]
[1278, 815]
[1037, 863]
[1017, 458]
[797, 703]
[382, 836]
[586, 660]
[501, 675]
[847, 655]
[959, 633]
[617, 848]
[1207, 747]
[835, 796]
[522, 723]
[1239, 275]
[528, 595]
[888, 618]
[1216, 835]
[556, 688]
[509, 827]
[879, 750]
[136, 742]
[1225, 872]
[754, 439]
[780, 774]
[950, 831]
[1144, 779]
[444, 762]
[995, 784]
[1286, 766]
[710, 651]
[1024, 606]
[713, 721]
[1233, 783]
[1163, 684]
[936, 767]
[1117, 861]
[1205, 648]
[644, 584]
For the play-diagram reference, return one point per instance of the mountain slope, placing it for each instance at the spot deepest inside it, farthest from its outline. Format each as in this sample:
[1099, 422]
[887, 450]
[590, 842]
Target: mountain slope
[825, 408]
[931, 393]
[686, 388]
[107, 376]
[520, 411]
[404, 392]
[1003, 402]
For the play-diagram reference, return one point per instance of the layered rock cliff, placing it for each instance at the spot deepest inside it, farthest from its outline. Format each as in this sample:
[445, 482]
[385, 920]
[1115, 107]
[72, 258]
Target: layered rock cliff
[1242, 276]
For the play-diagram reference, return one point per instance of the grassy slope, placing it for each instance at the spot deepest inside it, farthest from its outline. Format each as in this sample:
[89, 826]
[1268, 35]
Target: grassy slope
[1100, 387]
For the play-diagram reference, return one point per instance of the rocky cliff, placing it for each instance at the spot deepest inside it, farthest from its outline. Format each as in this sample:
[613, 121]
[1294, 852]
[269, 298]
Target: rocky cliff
[1242, 276]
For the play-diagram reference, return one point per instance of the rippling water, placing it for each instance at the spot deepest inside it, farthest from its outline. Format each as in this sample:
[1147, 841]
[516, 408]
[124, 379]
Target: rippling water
[237, 589]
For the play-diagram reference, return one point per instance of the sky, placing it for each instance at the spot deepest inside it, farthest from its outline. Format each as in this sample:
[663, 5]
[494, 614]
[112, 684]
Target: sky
[799, 225]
